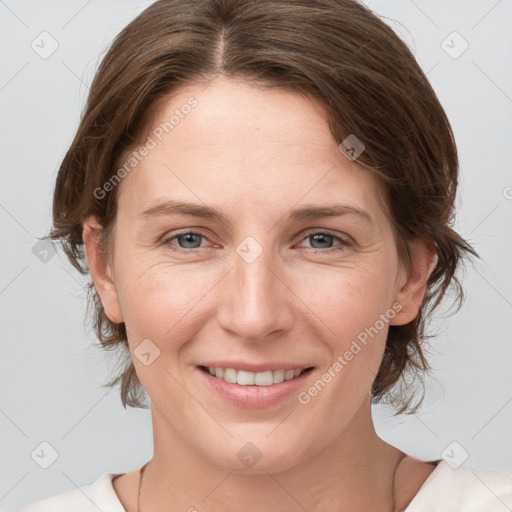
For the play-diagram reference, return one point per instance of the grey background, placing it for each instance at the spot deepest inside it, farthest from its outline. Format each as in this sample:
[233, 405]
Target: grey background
[51, 375]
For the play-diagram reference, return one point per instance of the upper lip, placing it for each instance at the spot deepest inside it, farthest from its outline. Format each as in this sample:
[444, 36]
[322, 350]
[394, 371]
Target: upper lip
[252, 367]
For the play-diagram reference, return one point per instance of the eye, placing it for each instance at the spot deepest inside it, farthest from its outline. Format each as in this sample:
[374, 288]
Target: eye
[326, 239]
[185, 241]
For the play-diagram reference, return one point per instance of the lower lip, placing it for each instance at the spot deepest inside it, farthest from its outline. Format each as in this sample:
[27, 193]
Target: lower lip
[254, 396]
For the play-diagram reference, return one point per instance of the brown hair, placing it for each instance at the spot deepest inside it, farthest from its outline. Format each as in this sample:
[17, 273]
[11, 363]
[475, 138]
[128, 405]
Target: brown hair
[335, 50]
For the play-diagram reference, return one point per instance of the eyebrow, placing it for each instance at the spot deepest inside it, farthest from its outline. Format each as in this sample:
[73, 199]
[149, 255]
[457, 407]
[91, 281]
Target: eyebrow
[308, 212]
[171, 207]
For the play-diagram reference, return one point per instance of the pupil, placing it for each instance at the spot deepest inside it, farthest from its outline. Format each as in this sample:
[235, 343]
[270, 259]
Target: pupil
[322, 238]
[189, 239]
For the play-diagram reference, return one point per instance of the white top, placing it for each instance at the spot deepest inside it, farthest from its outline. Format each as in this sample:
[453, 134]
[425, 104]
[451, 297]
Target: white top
[445, 490]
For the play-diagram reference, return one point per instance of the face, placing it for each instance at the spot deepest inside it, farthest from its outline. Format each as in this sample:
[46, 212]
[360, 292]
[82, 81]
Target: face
[246, 243]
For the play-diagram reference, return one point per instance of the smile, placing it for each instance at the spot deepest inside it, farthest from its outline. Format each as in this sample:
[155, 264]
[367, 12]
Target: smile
[247, 378]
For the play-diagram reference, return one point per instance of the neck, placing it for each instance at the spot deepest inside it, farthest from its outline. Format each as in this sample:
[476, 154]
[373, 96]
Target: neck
[354, 472]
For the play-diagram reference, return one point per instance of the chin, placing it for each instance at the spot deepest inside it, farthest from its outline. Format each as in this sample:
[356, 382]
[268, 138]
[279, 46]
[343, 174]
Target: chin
[259, 455]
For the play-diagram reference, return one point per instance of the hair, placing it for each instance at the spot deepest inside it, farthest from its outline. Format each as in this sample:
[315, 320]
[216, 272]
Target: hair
[336, 51]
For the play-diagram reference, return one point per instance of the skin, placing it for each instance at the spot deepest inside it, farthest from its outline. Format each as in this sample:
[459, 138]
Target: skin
[254, 154]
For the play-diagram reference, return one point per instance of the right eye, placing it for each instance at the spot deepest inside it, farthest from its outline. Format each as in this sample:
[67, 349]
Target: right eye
[186, 242]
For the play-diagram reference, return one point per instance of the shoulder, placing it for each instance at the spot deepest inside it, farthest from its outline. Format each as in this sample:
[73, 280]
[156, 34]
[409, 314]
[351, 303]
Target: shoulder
[464, 490]
[99, 495]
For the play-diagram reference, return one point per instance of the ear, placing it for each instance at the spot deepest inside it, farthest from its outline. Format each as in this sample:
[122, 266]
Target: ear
[412, 291]
[101, 271]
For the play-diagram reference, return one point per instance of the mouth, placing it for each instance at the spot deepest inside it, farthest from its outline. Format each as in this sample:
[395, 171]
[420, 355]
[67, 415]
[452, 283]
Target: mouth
[248, 378]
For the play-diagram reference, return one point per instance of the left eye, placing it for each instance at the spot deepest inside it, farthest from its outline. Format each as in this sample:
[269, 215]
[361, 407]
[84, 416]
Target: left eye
[325, 240]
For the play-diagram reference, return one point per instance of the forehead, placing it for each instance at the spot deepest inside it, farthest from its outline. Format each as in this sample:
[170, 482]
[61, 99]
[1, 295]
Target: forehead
[235, 143]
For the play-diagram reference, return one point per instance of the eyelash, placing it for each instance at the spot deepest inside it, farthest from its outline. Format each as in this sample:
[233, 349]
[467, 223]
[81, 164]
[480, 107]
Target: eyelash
[343, 241]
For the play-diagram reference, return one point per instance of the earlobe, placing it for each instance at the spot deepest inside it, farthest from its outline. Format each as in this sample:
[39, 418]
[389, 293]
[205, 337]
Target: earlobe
[101, 271]
[411, 294]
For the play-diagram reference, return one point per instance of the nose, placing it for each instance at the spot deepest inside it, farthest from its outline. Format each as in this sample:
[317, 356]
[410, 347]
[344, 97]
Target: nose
[256, 302]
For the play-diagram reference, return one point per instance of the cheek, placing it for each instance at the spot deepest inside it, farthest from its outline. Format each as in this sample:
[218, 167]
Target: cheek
[160, 304]
[157, 300]
[355, 308]
[348, 301]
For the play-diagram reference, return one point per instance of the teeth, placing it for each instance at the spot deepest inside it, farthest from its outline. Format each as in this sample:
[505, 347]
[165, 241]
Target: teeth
[264, 378]
[245, 378]
[289, 374]
[230, 375]
[278, 376]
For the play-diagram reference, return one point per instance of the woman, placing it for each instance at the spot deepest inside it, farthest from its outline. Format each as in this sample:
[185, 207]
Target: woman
[263, 195]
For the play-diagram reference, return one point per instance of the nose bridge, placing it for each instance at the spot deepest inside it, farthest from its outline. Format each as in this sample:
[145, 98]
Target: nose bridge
[254, 304]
